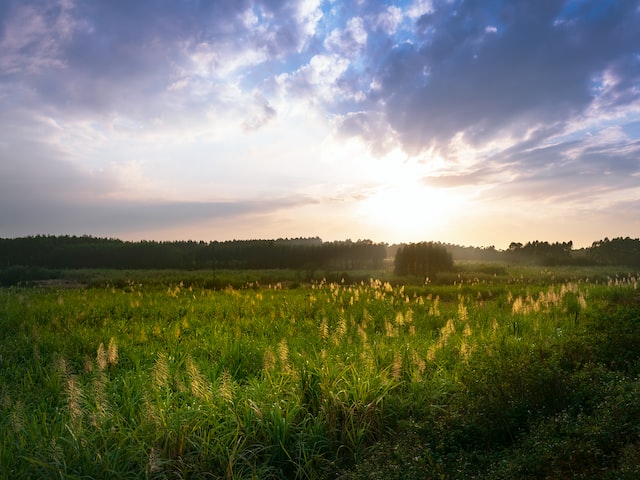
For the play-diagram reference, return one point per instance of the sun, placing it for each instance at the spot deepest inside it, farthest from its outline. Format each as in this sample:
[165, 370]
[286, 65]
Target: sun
[408, 210]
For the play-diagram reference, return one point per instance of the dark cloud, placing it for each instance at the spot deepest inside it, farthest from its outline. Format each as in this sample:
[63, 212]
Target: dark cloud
[542, 89]
[490, 68]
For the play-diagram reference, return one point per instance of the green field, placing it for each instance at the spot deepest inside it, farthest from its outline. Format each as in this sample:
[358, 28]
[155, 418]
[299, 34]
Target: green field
[488, 373]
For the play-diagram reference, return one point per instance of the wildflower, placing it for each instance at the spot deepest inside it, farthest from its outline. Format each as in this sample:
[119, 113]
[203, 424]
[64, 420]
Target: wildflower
[283, 354]
[101, 357]
[200, 387]
[74, 396]
[389, 329]
[160, 375]
[341, 329]
[462, 312]
[226, 387]
[517, 306]
[467, 331]
[396, 367]
[465, 350]
[324, 329]
[431, 352]
[420, 364]
[112, 352]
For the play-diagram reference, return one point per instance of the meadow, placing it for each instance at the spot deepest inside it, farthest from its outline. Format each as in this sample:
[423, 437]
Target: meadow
[491, 373]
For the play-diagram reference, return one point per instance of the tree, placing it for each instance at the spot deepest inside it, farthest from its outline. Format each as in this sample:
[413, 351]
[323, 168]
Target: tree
[424, 258]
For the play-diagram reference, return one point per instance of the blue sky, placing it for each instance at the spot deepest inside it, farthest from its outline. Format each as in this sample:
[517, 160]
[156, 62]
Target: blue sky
[471, 122]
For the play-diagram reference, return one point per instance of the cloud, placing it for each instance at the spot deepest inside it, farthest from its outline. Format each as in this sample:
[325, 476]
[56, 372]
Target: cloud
[371, 127]
[109, 56]
[389, 20]
[350, 41]
[43, 193]
[129, 217]
[261, 113]
[148, 112]
[490, 70]
[317, 81]
[45, 188]
[32, 36]
[594, 171]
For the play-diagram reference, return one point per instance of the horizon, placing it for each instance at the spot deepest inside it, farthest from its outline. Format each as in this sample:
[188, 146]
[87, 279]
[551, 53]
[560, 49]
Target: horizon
[464, 123]
[302, 238]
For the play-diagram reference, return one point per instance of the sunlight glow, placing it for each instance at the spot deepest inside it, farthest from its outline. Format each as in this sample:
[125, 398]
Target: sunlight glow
[409, 211]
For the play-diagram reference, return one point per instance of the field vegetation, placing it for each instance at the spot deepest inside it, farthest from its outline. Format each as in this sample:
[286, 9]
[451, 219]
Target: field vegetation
[489, 372]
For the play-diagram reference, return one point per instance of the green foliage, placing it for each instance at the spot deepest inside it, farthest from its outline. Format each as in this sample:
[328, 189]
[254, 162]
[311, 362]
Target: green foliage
[304, 254]
[541, 253]
[516, 376]
[618, 251]
[422, 259]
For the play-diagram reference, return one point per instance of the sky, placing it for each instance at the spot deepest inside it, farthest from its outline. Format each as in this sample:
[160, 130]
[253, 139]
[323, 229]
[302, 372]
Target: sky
[477, 123]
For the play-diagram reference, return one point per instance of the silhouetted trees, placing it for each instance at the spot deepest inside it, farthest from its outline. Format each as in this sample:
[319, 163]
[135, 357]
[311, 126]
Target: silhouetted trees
[541, 253]
[309, 254]
[423, 259]
[90, 252]
[485, 254]
[618, 251]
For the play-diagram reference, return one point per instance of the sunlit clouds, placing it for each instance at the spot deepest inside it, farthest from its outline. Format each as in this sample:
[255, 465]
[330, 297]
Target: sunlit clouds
[467, 122]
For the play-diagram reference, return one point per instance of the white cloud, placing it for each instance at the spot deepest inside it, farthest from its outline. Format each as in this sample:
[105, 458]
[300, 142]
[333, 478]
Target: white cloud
[309, 15]
[389, 19]
[311, 105]
[317, 80]
[419, 8]
[350, 41]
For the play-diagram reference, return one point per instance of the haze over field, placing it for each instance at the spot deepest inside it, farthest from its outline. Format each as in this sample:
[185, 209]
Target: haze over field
[468, 122]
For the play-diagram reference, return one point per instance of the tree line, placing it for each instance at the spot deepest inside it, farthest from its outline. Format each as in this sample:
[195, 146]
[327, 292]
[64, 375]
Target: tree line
[310, 254]
[58, 252]
[428, 258]
[617, 251]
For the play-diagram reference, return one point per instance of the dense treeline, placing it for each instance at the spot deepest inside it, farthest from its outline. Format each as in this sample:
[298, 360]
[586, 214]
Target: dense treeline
[75, 252]
[542, 253]
[485, 254]
[618, 251]
[90, 252]
[424, 258]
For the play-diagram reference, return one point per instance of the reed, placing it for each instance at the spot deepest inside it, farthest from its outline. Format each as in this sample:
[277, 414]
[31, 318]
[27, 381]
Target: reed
[269, 382]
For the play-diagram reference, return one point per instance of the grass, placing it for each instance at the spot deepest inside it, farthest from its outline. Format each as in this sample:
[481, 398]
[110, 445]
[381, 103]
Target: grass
[506, 375]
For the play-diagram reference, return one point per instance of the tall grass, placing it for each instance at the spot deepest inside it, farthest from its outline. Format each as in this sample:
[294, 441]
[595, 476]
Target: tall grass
[162, 381]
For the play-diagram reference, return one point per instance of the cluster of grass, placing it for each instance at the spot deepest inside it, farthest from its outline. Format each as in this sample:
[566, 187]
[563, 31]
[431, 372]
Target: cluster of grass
[480, 379]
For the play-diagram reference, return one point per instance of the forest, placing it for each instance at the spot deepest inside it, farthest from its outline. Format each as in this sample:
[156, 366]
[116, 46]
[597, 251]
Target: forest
[308, 254]
[91, 252]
